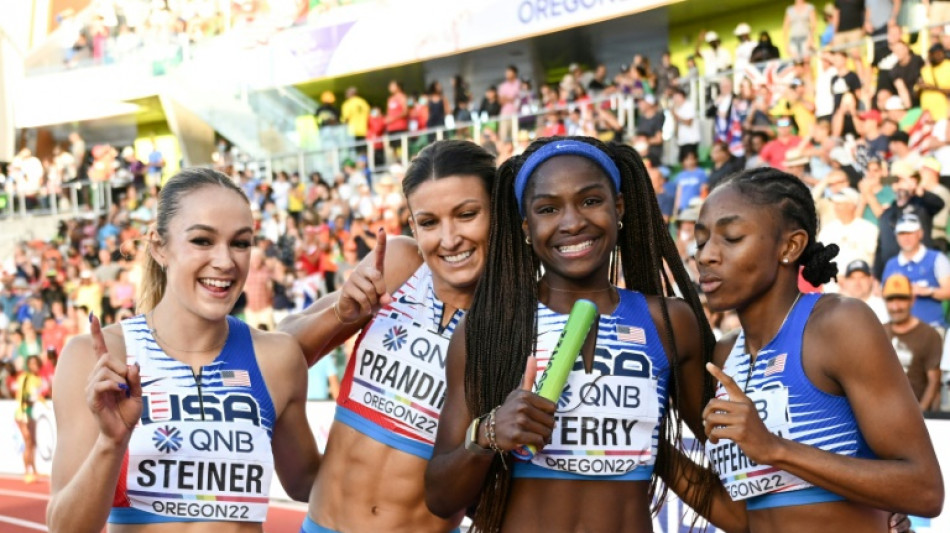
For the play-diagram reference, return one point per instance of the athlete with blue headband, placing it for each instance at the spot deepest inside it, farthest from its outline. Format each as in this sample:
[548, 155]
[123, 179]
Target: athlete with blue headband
[583, 212]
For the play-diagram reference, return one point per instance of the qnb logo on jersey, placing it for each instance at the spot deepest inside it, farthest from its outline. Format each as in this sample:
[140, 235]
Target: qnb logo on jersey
[167, 439]
[230, 407]
[395, 338]
[565, 398]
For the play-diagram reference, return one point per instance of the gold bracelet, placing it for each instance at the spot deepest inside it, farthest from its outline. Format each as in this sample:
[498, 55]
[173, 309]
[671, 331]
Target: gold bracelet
[336, 312]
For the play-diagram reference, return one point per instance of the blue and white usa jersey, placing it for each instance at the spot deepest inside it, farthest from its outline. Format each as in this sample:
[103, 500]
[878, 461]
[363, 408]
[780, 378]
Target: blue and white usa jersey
[202, 448]
[394, 386]
[607, 422]
[792, 407]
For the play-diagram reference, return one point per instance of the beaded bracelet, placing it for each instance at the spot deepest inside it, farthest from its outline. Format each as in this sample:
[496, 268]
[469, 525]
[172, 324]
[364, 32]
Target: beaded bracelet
[492, 443]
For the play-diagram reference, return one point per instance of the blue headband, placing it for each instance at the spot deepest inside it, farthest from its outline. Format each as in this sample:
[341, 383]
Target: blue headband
[564, 147]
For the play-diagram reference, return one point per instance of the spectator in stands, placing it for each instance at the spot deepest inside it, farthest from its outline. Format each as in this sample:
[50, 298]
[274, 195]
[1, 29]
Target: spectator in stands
[858, 283]
[848, 21]
[397, 113]
[355, 114]
[934, 83]
[650, 127]
[801, 106]
[856, 238]
[686, 123]
[743, 52]
[910, 199]
[690, 182]
[29, 391]
[799, 28]
[904, 75]
[156, 165]
[875, 195]
[715, 57]
[756, 142]
[724, 164]
[765, 50]
[930, 182]
[326, 113]
[927, 269]
[844, 86]
[917, 344]
[880, 15]
[508, 92]
[903, 158]
[774, 153]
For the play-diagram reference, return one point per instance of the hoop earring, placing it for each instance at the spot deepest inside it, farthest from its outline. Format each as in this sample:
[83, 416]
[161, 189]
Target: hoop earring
[619, 225]
[527, 240]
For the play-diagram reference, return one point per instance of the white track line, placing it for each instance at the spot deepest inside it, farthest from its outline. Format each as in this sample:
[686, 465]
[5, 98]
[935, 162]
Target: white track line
[23, 523]
[22, 494]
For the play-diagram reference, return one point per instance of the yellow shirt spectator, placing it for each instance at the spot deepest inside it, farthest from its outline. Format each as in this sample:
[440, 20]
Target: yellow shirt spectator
[935, 85]
[355, 113]
[89, 293]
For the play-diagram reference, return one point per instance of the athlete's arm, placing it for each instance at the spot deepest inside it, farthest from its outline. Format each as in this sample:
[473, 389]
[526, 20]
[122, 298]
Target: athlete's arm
[319, 329]
[689, 477]
[93, 423]
[295, 452]
[906, 476]
[455, 475]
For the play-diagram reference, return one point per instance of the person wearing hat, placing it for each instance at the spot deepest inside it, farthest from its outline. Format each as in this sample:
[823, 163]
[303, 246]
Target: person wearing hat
[917, 344]
[858, 283]
[909, 199]
[856, 238]
[774, 152]
[934, 83]
[926, 268]
[715, 57]
[799, 27]
[326, 114]
[743, 51]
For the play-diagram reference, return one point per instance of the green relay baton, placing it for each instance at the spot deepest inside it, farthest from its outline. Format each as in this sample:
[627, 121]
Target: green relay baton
[552, 382]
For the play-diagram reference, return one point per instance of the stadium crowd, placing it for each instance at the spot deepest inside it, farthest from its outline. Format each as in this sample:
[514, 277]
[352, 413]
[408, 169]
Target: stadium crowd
[863, 122]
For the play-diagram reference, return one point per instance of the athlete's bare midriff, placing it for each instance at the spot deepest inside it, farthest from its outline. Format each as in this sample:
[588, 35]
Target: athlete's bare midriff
[819, 518]
[365, 486]
[575, 506]
[189, 527]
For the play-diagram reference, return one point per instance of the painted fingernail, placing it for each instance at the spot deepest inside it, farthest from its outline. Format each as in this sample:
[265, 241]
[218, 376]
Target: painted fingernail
[125, 388]
[90, 317]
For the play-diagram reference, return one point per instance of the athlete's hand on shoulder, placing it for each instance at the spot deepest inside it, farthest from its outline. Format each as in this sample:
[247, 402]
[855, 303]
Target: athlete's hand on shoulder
[737, 419]
[365, 290]
[525, 418]
[114, 391]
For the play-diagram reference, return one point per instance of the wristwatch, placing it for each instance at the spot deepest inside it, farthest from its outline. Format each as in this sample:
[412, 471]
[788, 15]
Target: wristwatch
[471, 439]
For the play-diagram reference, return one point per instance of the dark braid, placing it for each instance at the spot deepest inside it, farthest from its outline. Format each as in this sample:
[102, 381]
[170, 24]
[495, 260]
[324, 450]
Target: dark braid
[501, 325]
[772, 187]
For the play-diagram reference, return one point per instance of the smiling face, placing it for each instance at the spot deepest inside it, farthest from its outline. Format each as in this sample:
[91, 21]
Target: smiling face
[450, 221]
[571, 214]
[207, 252]
[738, 249]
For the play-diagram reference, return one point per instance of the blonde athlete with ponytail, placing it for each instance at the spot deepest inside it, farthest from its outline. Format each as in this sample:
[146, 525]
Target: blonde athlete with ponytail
[177, 419]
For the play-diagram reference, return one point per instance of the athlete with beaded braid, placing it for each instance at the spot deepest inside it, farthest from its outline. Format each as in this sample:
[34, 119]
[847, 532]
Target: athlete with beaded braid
[811, 430]
[583, 211]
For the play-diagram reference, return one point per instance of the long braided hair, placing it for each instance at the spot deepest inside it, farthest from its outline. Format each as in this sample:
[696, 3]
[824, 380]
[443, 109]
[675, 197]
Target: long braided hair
[504, 309]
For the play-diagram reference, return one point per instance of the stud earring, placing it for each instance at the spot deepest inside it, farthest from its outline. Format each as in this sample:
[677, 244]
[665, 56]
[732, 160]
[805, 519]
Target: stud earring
[527, 240]
[784, 260]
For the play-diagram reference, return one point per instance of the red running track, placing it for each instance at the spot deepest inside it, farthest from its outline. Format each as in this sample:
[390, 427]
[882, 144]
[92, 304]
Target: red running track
[23, 508]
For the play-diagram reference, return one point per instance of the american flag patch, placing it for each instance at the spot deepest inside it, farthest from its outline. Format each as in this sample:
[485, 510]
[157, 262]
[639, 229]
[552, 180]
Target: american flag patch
[775, 365]
[235, 378]
[631, 334]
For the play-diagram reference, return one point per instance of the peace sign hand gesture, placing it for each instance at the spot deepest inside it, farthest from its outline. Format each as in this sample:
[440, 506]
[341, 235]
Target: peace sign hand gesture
[114, 391]
[737, 419]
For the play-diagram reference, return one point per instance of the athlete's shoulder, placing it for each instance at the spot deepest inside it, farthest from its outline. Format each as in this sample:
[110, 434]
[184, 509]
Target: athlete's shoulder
[278, 346]
[836, 312]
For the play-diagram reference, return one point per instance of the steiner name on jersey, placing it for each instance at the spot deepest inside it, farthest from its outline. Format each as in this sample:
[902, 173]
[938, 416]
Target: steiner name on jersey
[201, 456]
[400, 373]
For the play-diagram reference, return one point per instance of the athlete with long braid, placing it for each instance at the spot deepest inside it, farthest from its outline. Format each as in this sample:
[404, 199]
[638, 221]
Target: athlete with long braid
[405, 299]
[583, 211]
[810, 429]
